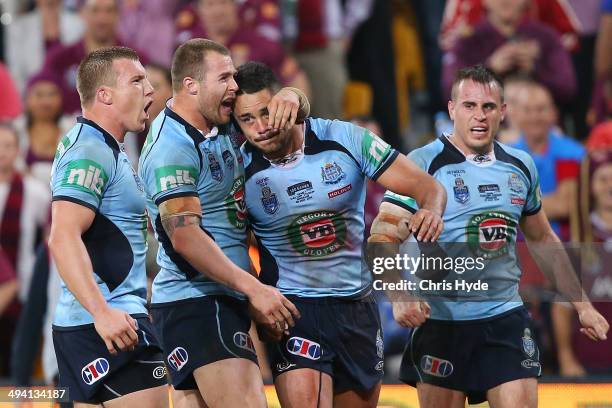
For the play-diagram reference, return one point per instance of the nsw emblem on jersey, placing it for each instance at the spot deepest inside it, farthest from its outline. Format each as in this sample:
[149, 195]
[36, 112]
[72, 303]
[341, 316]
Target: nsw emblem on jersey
[216, 172]
[318, 233]
[331, 173]
[228, 159]
[269, 201]
[515, 184]
[461, 191]
[489, 233]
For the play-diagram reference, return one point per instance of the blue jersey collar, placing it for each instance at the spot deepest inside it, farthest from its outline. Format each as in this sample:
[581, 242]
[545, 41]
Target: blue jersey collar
[108, 138]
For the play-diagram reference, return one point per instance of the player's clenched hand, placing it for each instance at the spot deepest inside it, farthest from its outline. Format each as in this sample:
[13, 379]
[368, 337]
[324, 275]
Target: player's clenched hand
[594, 325]
[117, 328]
[283, 109]
[425, 225]
[268, 306]
[410, 313]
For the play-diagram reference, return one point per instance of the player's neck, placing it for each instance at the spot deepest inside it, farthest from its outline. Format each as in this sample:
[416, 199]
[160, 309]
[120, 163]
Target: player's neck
[467, 151]
[105, 122]
[182, 107]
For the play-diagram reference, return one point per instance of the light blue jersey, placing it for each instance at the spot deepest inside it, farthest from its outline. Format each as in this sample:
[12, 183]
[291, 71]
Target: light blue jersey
[91, 169]
[177, 160]
[308, 215]
[487, 196]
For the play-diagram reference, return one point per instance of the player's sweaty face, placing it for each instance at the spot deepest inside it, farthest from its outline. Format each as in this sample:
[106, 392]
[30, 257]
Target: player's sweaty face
[132, 94]
[251, 113]
[218, 89]
[477, 112]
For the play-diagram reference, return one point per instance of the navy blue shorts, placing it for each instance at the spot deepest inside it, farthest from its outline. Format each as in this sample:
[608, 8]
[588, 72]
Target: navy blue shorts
[93, 375]
[342, 338]
[200, 331]
[472, 356]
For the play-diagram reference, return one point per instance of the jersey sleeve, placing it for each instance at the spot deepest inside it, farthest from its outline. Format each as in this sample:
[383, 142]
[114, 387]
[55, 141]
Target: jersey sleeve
[533, 202]
[373, 154]
[82, 175]
[407, 203]
[171, 171]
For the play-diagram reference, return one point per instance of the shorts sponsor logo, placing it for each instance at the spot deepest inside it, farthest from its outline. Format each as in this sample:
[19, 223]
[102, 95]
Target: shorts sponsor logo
[178, 358]
[244, 341]
[379, 366]
[95, 370]
[169, 177]
[529, 363]
[159, 372]
[489, 233]
[340, 191]
[461, 191]
[85, 175]
[284, 366]
[228, 159]
[436, 366]
[529, 346]
[235, 204]
[331, 173]
[375, 150]
[380, 345]
[318, 233]
[304, 348]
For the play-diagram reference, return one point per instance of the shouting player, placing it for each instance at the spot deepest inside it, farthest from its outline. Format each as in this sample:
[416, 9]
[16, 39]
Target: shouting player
[106, 349]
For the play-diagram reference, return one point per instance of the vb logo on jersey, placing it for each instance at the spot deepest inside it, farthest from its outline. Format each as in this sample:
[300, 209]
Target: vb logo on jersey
[236, 207]
[169, 177]
[318, 233]
[489, 233]
[85, 175]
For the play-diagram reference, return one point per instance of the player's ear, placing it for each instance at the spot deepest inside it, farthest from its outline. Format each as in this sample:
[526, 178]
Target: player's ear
[104, 95]
[191, 85]
[451, 109]
[503, 111]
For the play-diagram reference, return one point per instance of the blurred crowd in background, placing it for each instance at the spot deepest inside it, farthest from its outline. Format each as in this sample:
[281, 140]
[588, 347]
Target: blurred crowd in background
[384, 64]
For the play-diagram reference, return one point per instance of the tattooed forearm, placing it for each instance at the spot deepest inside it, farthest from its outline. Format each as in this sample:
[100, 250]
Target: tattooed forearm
[173, 221]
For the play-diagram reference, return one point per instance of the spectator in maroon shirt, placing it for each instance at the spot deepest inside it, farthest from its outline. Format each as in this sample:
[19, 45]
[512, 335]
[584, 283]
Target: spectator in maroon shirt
[509, 44]
[220, 22]
[101, 18]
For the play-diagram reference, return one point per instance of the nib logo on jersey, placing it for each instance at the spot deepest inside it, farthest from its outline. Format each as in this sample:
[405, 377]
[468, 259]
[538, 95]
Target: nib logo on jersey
[169, 177]
[304, 348]
[489, 233]
[236, 207]
[95, 370]
[178, 358]
[85, 175]
[318, 233]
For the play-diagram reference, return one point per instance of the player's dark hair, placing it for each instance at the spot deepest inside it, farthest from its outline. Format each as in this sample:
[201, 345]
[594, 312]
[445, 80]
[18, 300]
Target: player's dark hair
[189, 58]
[96, 70]
[253, 77]
[479, 74]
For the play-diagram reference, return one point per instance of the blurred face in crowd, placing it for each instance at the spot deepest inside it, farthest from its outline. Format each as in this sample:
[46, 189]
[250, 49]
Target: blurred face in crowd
[9, 149]
[219, 16]
[601, 187]
[47, 3]
[101, 18]
[216, 92]
[535, 113]
[512, 91]
[251, 113]
[44, 101]
[132, 94]
[163, 90]
[505, 11]
[477, 111]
